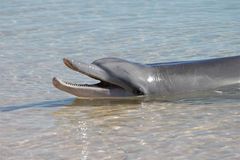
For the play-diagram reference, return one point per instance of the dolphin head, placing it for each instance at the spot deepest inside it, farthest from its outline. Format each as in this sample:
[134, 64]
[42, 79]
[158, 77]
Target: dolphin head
[117, 78]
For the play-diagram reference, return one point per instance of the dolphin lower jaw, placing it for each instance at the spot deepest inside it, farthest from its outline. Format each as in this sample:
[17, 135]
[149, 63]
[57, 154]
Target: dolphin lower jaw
[102, 89]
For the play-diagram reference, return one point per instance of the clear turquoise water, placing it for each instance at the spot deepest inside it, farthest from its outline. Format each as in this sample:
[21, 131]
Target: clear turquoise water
[39, 122]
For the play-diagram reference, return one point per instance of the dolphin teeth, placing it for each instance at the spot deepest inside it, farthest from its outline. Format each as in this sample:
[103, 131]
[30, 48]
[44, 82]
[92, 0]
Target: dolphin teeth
[76, 84]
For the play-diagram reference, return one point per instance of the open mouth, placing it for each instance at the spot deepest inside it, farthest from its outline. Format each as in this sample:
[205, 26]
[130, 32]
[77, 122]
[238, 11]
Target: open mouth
[105, 88]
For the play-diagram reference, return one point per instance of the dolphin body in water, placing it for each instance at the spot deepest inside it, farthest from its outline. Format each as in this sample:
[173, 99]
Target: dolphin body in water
[121, 78]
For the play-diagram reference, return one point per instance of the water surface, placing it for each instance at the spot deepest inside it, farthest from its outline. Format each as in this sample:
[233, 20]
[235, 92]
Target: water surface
[38, 121]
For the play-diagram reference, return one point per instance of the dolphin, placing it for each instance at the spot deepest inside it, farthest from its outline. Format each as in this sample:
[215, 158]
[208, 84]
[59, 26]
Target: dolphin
[122, 78]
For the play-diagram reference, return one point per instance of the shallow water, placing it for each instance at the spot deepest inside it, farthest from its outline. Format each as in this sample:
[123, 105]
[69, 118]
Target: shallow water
[38, 121]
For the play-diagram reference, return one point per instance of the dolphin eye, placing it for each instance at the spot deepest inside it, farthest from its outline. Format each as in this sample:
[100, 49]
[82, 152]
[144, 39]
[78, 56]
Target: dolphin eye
[138, 92]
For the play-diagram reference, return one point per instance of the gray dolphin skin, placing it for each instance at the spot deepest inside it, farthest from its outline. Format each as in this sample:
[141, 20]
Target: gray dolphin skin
[121, 78]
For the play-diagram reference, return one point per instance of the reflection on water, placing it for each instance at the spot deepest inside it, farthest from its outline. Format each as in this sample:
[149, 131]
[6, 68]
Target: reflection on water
[123, 129]
[151, 129]
[106, 102]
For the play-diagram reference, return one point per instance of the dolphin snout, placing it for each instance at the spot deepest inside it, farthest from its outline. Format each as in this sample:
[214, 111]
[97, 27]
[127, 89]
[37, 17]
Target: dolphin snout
[70, 64]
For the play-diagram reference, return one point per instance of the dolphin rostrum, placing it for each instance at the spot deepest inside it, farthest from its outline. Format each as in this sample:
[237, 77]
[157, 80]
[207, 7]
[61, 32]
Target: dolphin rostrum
[121, 78]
